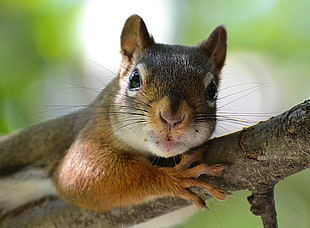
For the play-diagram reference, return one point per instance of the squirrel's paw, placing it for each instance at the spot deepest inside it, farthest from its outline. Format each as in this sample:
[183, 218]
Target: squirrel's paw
[188, 178]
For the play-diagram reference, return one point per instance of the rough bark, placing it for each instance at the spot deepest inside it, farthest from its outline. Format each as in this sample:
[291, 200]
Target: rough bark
[256, 158]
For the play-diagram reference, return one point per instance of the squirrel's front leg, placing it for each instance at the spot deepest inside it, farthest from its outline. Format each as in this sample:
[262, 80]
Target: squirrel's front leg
[182, 177]
[107, 179]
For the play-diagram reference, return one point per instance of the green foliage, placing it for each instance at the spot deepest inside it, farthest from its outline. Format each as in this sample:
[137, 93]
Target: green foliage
[277, 29]
[36, 36]
[276, 26]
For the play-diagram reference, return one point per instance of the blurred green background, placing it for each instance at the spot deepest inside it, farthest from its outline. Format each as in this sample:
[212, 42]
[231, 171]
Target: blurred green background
[40, 44]
[36, 38]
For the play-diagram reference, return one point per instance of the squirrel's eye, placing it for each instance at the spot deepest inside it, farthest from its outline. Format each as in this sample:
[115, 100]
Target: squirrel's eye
[211, 92]
[134, 80]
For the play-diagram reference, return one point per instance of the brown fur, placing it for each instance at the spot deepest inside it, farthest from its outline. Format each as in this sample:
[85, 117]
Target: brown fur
[100, 173]
[91, 166]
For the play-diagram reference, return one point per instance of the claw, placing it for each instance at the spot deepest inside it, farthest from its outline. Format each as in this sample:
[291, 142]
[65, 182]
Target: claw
[219, 194]
[217, 170]
[199, 202]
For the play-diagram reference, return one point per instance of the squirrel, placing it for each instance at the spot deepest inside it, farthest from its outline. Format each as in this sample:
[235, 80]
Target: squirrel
[161, 104]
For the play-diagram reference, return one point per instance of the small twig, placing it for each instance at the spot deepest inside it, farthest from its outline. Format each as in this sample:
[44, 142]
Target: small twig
[263, 205]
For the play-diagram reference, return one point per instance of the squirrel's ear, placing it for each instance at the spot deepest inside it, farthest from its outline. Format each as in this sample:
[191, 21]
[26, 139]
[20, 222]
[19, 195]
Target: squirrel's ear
[135, 37]
[215, 47]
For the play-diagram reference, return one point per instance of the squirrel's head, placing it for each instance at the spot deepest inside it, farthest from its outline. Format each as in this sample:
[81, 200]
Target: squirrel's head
[166, 102]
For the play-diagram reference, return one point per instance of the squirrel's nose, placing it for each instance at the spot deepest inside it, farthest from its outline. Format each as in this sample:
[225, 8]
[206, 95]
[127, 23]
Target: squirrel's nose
[171, 120]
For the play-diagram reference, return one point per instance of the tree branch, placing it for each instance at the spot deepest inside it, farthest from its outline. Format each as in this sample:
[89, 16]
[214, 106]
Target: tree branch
[257, 158]
[263, 205]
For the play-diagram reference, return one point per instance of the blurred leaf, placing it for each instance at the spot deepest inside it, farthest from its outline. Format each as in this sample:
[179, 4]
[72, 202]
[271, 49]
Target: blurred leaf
[36, 37]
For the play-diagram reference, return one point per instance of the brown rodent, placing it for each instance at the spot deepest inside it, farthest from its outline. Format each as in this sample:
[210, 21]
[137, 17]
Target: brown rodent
[163, 103]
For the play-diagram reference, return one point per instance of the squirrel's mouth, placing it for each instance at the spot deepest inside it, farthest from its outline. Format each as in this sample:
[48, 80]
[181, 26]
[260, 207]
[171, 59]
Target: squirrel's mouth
[166, 146]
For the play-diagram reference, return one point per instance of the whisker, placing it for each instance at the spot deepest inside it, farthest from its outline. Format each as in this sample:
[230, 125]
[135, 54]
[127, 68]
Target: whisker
[251, 114]
[175, 162]
[124, 107]
[101, 66]
[129, 124]
[236, 122]
[73, 86]
[155, 161]
[244, 90]
[224, 105]
[220, 130]
[241, 84]
[126, 113]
